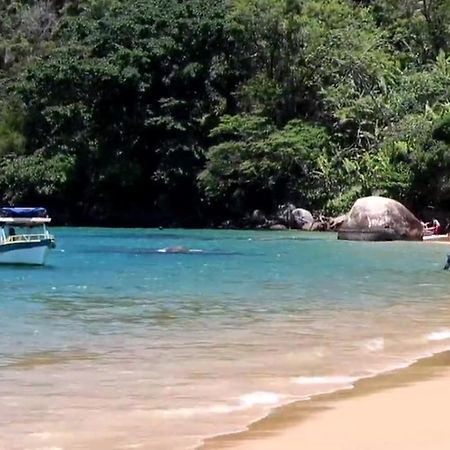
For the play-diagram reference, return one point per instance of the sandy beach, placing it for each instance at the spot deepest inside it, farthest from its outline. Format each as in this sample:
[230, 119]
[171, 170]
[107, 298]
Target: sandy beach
[405, 409]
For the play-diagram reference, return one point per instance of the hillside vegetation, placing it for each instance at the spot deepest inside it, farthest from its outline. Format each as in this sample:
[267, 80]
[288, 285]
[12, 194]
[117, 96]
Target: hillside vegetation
[192, 112]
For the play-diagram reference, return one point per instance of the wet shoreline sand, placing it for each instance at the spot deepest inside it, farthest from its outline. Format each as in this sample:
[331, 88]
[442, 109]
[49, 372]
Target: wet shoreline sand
[404, 408]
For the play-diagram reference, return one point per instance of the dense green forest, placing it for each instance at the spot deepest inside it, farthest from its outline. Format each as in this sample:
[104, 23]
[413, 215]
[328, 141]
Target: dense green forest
[192, 112]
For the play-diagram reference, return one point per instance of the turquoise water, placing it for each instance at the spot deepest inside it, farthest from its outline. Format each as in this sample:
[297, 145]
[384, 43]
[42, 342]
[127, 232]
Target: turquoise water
[118, 344]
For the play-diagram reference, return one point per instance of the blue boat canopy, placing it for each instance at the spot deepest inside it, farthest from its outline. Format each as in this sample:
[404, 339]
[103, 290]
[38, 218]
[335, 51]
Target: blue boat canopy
[23, 212]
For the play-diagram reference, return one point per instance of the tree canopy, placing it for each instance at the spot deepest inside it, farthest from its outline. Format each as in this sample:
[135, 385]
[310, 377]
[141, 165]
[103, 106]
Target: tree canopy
[188, 113]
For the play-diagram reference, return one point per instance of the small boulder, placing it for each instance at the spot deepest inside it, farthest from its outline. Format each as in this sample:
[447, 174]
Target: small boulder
[227, 225]
[284, 213]
[336, 222]
[319, 226]
[380, 219]
[258, 218]
[301, 219]
[278, 227]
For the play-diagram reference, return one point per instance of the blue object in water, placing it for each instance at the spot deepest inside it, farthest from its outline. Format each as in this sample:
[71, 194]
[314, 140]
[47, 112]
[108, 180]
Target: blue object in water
[447, 264]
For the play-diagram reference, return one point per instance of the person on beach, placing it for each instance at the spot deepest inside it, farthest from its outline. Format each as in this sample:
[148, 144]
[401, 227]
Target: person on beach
[447, 264]
[436, 226]
[433, 227]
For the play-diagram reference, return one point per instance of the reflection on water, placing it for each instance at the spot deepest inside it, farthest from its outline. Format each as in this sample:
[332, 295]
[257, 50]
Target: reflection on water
[119, 345]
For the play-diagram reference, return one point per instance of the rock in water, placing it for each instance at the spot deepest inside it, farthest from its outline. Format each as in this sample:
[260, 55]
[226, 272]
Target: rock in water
[258, 218]
[293, 217]
[301, 219]
[284, 214]
[380, 219]
[318, 226]
[337, 222]
[177, 249]
[278, 227]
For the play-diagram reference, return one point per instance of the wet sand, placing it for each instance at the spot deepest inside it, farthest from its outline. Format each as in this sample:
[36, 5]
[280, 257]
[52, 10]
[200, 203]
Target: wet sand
[404, 409]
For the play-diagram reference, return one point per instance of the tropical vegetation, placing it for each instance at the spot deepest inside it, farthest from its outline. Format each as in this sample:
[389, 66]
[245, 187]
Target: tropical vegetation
[192, 112]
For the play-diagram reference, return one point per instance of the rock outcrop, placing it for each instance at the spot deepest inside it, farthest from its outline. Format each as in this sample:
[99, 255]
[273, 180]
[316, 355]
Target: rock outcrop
[284, 214]
[257, 219]
[293, 217]
[336, 222]
[380, 219]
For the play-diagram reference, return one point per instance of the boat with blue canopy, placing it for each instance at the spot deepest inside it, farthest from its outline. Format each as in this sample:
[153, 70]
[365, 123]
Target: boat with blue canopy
[24, 237]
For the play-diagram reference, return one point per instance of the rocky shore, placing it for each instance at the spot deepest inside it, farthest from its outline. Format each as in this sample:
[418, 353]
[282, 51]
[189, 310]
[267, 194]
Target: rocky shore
[371, 218]
[287, 216]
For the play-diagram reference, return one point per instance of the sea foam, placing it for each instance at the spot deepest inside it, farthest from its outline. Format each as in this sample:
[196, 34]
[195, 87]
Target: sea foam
[259, 398]
[441, 335]
[375, 345]
[332, 379]
[246, 401]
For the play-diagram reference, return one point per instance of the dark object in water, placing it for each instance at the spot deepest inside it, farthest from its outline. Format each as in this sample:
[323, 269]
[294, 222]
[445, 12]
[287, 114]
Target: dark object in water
[447, 264]
[177, 249]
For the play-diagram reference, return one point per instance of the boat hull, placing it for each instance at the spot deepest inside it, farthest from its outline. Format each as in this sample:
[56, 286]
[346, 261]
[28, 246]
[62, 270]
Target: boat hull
[30, 253]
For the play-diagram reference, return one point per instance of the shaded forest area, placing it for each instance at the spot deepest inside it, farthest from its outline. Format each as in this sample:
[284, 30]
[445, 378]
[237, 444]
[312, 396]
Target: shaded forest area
[187, 113]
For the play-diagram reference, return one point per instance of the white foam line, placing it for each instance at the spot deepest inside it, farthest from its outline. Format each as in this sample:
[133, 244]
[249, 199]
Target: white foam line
[246, 427]
[375, 345]
[318, 380]
[246, 401]
[440, 335]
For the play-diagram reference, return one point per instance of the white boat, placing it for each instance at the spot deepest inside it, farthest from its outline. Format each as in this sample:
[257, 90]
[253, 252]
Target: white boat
[24, 238]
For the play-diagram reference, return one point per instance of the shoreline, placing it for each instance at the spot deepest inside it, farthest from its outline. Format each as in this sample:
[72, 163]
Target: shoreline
[314, 421]
[441, 240]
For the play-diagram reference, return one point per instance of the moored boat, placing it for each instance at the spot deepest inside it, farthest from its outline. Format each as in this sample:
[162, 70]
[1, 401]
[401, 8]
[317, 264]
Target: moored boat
[24, 238]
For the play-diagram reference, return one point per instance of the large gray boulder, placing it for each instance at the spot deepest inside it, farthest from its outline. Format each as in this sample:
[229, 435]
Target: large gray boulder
[380, 219]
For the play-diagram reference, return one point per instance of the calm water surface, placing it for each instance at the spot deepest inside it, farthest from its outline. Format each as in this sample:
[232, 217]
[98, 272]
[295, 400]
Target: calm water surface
[118, 345]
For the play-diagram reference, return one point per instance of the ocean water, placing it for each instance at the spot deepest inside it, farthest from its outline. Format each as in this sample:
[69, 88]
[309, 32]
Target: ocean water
[120, 344]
